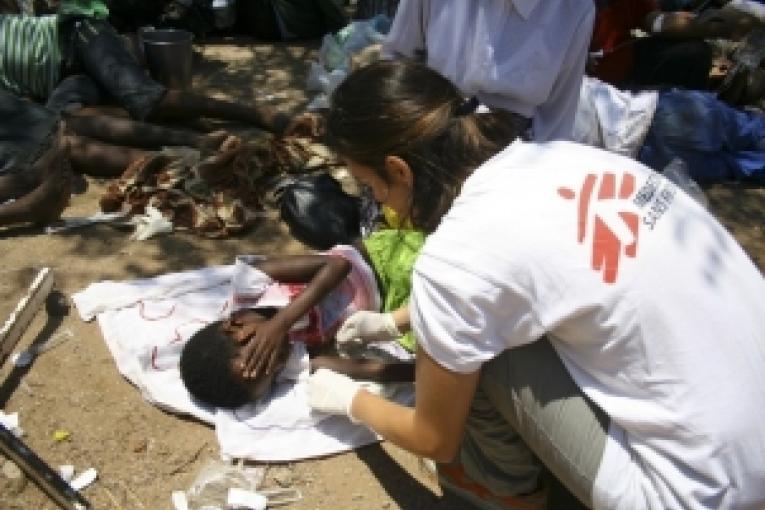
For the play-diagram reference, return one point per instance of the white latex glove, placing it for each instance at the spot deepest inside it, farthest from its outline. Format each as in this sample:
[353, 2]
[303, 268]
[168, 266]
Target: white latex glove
[363, 327]
[333, 393]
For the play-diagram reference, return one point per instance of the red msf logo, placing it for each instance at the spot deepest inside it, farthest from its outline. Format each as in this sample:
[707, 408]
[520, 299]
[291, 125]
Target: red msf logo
[614, 233]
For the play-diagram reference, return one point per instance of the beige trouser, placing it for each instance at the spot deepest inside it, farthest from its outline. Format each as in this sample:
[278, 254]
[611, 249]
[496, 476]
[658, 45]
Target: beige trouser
[527, 415]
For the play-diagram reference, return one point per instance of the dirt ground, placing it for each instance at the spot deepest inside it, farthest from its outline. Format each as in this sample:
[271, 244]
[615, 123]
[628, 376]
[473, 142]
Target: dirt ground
[141, 453]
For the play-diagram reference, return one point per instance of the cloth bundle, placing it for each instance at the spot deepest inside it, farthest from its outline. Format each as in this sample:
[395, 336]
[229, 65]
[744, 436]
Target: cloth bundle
[215, 196]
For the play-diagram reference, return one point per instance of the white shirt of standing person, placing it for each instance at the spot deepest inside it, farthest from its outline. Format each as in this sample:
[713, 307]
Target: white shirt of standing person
[656, 311]
[524, 56]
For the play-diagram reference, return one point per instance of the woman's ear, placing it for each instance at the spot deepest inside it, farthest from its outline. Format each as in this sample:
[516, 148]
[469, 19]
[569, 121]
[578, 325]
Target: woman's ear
[399, 172]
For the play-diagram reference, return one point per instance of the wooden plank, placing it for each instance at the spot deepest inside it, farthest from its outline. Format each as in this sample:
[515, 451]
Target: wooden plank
[25, 310]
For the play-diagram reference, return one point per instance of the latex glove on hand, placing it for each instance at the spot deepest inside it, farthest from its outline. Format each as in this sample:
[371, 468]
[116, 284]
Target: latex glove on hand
[333, 393]
[364, 327]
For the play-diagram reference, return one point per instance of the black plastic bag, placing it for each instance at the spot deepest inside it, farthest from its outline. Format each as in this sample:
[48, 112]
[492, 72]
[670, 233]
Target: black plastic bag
[318, 212]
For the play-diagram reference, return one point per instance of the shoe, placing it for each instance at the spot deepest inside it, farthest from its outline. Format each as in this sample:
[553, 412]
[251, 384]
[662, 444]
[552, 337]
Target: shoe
[453, 479]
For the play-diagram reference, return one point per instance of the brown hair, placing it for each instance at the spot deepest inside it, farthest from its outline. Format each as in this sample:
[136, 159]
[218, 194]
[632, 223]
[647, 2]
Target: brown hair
[405, 109]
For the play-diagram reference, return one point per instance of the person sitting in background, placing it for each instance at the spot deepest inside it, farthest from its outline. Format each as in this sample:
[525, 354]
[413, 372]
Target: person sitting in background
[716, 142]
[674, 54]
[76, 52]
[230, 363]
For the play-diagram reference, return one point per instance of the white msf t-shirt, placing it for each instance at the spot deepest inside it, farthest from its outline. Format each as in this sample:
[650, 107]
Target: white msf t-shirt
[655, 309]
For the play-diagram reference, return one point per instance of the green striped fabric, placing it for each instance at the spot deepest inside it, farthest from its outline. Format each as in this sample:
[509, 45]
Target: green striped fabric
[86, 8]
[30, 56]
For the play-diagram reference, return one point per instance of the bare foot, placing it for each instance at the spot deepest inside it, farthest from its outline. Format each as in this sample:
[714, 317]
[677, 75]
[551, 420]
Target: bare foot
[43, 204]
[49, 199]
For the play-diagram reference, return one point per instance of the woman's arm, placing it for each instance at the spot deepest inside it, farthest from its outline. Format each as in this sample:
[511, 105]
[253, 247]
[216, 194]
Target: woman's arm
[434, 428]
[321, 273]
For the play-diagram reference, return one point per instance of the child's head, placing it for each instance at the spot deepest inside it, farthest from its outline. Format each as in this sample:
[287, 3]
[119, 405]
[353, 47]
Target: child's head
[404, 110]
[209, 365]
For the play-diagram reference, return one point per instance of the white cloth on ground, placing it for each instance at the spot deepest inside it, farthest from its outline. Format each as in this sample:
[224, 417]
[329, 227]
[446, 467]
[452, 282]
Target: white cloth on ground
[655, 309]
[145, 323]
[524, 56]
[613, 119]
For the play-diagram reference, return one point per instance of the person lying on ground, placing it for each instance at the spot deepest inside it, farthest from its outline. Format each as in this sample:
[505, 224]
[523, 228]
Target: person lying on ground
[77, 53]
[39, 149]
[715, 141]
[674, 54]
[228, 363]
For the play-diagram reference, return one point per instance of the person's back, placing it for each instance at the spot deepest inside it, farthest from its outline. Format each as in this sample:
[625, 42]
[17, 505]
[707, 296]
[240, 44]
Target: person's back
[654, 308]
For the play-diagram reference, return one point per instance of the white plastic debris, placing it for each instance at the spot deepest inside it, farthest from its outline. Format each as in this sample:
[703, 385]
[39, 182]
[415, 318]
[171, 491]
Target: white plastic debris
[66, 471]
[281, 496]
[244, 499]
[11, 422]
[84, 479]
[180, 501]
[70, 223]
[211, 487]
[150, 224]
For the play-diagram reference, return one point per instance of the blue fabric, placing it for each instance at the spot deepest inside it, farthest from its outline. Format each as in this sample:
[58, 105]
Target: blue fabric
[716, 142]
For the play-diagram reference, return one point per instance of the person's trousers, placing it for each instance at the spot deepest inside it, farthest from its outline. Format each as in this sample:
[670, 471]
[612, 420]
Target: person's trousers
[527, 416]
[95, 49]
[716, 142]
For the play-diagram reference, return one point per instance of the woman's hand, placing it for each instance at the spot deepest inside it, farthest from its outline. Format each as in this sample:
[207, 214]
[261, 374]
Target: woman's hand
[364, 326]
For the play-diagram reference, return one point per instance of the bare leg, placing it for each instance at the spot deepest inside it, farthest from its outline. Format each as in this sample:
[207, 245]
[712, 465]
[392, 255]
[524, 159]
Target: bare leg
[179, 104]
[13, 186]
[99, 159]
[121, 131]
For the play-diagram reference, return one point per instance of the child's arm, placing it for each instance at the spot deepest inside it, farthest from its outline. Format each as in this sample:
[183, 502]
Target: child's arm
[367, 369]
[321, 273]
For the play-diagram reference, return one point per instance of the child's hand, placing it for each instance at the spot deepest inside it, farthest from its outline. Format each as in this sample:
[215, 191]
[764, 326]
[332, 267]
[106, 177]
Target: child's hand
[242, 324]
[264, 344]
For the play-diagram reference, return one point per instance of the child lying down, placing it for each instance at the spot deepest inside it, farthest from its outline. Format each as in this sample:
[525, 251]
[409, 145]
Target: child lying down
[302, 298]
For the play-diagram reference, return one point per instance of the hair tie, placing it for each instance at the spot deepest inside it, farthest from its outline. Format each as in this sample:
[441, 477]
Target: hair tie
[467, 107]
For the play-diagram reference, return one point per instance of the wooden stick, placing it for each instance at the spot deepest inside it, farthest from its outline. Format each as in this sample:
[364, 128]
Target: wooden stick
[25, 310]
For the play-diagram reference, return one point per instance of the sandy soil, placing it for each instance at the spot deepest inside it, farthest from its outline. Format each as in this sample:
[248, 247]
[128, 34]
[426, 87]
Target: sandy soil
[142, 453]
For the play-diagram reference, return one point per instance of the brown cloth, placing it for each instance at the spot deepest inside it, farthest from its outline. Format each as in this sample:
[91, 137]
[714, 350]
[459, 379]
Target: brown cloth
[216, 196]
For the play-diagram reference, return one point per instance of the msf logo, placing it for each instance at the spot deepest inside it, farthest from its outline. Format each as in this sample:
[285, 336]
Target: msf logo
[612, 231]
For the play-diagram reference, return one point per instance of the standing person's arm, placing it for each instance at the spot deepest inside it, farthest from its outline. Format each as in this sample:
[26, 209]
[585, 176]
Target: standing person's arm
[322, 274]
[554, 119]
[407, 33]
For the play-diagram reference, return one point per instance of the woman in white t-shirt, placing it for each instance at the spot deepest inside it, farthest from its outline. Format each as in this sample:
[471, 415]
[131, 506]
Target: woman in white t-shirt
[575, 312]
